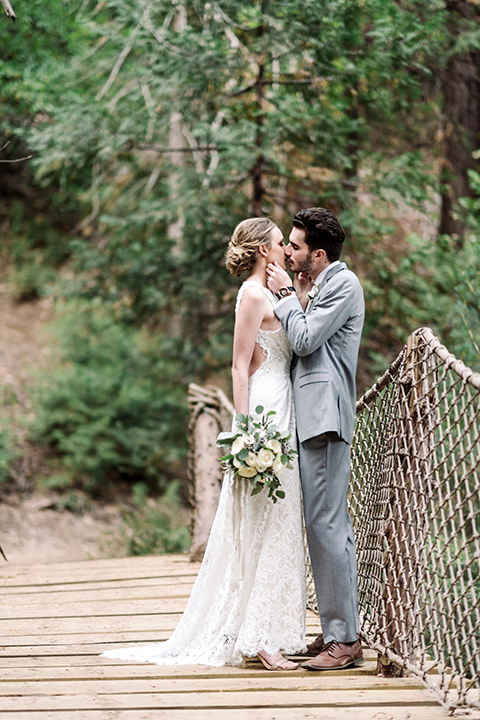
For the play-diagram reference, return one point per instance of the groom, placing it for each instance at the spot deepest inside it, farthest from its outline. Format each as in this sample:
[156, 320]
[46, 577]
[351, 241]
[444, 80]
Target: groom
[324, 327]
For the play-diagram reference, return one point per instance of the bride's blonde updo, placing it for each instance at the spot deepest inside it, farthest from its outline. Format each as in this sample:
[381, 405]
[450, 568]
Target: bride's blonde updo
[245, 241]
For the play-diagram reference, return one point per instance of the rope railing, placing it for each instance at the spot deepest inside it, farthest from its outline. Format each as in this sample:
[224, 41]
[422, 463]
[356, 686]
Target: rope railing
[415, 507]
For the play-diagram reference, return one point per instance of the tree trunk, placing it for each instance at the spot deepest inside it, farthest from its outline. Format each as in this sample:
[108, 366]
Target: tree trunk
[177, 143]
[257, 171]
[461, 116]
[258, 168]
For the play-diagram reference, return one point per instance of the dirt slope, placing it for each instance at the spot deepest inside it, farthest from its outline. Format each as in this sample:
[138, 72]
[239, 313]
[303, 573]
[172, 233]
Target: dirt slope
[33, 526]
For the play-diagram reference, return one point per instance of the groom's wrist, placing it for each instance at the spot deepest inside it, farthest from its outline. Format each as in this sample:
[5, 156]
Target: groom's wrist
[284, 292]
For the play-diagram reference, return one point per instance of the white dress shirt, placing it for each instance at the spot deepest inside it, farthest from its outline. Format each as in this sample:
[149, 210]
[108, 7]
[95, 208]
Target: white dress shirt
[317, 281]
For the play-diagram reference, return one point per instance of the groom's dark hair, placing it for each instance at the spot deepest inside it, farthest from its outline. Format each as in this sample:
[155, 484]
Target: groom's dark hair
[322, 231]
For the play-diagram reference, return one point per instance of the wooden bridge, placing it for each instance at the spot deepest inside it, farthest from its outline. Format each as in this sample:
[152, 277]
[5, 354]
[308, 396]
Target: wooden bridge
[58, 618]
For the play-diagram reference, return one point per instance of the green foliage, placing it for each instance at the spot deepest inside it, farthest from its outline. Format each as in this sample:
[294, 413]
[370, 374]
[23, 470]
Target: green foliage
[154, 129]
[466, 310]
[58, 481]
[445, 292]
[462, 579]
[330, 75]
[44, 39]
[37, 40]
[31, 281]
[9, 452]
[114, 408]
[155, 526]
[466, 330]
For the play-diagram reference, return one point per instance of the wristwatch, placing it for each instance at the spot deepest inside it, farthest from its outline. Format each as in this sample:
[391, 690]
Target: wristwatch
[284, 292]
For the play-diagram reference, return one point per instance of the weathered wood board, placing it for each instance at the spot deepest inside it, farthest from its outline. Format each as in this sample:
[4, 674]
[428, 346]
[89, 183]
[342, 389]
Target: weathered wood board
[55, 620]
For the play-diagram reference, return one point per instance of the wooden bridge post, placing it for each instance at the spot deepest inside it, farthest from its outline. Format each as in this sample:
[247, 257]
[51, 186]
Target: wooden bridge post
[211, 412]
[208, 480]
[406, 525]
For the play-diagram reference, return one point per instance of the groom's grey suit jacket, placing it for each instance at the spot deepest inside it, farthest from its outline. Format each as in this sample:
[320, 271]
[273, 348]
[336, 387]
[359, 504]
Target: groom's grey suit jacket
[325, 341]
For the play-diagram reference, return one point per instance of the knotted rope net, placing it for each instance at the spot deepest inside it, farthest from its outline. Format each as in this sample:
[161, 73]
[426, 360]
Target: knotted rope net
[415, 506]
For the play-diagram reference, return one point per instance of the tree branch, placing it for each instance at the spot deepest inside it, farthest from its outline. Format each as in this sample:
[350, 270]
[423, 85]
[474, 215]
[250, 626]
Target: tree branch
[215, 155]
[16, 159]
[161, 35]
[118, 65]
[126, 90]
[204, 148]
[8, 9]
[229, 21]
[150, 105]
[27, 157]
[197, 157]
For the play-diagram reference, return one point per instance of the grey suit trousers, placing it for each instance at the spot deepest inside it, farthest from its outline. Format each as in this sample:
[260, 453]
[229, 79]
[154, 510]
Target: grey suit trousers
[325, 473]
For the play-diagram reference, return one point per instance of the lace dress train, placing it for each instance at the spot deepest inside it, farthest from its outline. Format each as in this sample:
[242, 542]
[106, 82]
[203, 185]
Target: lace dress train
[250, 592]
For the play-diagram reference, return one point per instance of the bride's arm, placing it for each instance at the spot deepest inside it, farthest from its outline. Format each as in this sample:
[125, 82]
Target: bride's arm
[247, 323]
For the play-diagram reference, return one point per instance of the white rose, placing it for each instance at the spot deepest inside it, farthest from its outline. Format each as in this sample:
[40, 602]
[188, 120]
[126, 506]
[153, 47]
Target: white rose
[277, 465]
[246, 471]
[237, 445]
[237, 462]
[275, 446]
[252, 460]
[265, 457]
[248, 439]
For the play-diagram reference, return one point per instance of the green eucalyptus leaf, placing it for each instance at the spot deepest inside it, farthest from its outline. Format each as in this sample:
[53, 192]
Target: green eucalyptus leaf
[226, 438]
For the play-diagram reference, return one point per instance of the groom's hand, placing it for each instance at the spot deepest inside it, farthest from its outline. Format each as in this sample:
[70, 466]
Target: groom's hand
[303, 285]
[277, 277]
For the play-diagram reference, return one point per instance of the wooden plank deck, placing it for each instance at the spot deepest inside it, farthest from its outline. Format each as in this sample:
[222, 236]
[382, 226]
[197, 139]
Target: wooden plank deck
[56, 620]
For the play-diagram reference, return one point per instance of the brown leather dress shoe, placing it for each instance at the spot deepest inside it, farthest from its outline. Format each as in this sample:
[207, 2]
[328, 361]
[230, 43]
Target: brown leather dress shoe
[313, 648]
[336, 656]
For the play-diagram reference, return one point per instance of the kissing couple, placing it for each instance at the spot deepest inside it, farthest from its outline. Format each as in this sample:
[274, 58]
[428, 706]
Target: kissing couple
[295, 352]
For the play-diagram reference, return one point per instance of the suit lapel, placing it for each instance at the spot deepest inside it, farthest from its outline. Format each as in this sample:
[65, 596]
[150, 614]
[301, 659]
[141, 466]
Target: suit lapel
[330, 274]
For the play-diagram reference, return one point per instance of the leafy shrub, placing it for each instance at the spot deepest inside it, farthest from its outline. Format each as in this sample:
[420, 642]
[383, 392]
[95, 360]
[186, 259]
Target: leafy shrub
[115, 407]
[29, 281]
[8, 452]
[156, 526]
[466, 328]
[466, 332]
[35, 246]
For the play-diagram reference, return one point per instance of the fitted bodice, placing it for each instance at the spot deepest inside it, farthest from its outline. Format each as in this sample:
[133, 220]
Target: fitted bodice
[274, 343]
[270, 386]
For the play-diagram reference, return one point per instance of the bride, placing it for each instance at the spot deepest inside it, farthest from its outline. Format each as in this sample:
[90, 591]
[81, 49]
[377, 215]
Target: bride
[249, 598]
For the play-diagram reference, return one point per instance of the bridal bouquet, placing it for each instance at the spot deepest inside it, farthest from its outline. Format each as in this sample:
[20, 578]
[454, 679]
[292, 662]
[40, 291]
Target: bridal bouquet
[257, 451]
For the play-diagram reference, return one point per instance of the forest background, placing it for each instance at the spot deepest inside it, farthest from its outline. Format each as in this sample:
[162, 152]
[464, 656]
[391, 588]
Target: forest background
[135, 135]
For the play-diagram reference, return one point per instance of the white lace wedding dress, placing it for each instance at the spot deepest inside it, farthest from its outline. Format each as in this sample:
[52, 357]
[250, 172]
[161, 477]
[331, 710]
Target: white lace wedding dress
[250, 592]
